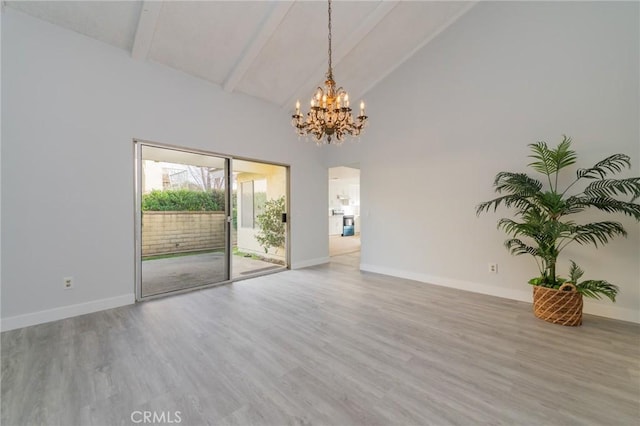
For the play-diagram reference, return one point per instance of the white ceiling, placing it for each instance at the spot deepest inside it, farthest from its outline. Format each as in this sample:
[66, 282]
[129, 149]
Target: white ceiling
[272, 50]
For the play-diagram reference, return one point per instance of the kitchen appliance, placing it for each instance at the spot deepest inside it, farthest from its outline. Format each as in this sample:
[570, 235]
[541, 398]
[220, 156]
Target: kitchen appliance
[347, 225]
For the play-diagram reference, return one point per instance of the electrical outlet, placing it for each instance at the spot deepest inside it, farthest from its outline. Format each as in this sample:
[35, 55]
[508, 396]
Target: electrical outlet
[493, 268]
[67, 282]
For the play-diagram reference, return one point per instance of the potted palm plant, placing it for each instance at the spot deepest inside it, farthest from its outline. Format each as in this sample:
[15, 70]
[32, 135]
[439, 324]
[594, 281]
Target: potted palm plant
[543, 224]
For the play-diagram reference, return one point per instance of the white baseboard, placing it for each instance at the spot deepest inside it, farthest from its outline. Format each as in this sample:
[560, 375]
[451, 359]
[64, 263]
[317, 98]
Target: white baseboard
[610, 311]
[590, 307]
[310, 262]
[55, 314]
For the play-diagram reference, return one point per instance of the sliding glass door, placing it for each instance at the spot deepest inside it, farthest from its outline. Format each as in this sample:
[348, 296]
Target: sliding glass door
[184, 220]
[259, 233]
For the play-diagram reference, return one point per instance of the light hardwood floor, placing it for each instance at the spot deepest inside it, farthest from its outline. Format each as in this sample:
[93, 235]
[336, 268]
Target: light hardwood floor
[343, 245]
[326, 345]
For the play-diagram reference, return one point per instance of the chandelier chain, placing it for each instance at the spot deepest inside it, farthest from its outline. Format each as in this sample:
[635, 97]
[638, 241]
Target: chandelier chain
[330, 72]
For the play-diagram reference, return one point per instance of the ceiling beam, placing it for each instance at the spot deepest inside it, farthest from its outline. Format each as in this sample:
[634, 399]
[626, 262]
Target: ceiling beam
[271, 23]
[146, 29]
[349, 43]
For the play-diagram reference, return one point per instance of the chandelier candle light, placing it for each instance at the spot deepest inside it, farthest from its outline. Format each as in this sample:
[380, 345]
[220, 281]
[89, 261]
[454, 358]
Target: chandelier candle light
[329, 118]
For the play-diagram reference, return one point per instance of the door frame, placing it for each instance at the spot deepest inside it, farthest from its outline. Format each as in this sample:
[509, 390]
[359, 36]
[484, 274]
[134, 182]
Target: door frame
[137, 192]
[287, 245]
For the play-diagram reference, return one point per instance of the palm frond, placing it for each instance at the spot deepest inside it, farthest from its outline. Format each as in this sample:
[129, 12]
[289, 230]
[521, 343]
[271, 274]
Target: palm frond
[517, 201]
[573, 205]
[542, 155]
[609, 205]
[551, 202]
[563, 155]
[518, 247]
[613, 164]
[516, 183]
[575, 272]
[597, 232]
[611, 187]
[536, 215]
[516, 228]
[598, 288]
[550, 161]
[555, 229]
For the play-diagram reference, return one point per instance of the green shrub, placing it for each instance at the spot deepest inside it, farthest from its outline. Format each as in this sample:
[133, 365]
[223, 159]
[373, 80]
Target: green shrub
[234, 209]
[184, 200]
[272, 230]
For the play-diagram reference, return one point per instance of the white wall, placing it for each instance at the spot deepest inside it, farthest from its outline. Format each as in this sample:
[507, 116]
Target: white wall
[463, 108]
[70, 109]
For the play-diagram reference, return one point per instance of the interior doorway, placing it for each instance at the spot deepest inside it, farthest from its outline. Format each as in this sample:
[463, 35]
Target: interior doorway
[344, 210]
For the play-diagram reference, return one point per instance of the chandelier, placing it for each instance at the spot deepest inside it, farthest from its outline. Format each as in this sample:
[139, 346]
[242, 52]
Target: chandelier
[329, 116]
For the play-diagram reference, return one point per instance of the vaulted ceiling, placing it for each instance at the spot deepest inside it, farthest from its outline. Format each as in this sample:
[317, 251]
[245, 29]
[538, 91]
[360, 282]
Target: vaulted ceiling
[272, 50]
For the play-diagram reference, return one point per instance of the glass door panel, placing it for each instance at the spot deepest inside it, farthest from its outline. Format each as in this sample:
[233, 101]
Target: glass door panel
[259, 229]
[183, 228]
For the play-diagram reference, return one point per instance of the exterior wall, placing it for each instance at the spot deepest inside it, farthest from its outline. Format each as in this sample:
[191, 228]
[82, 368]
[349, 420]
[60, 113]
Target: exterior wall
[276, 188]
[151, 176]
[179, 232]
[247, 243]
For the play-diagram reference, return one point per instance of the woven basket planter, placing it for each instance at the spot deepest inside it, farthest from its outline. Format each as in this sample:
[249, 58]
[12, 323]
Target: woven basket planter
[559, 306]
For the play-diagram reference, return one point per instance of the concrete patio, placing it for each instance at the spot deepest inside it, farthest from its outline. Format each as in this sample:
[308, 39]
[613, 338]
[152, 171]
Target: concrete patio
[183, 272]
